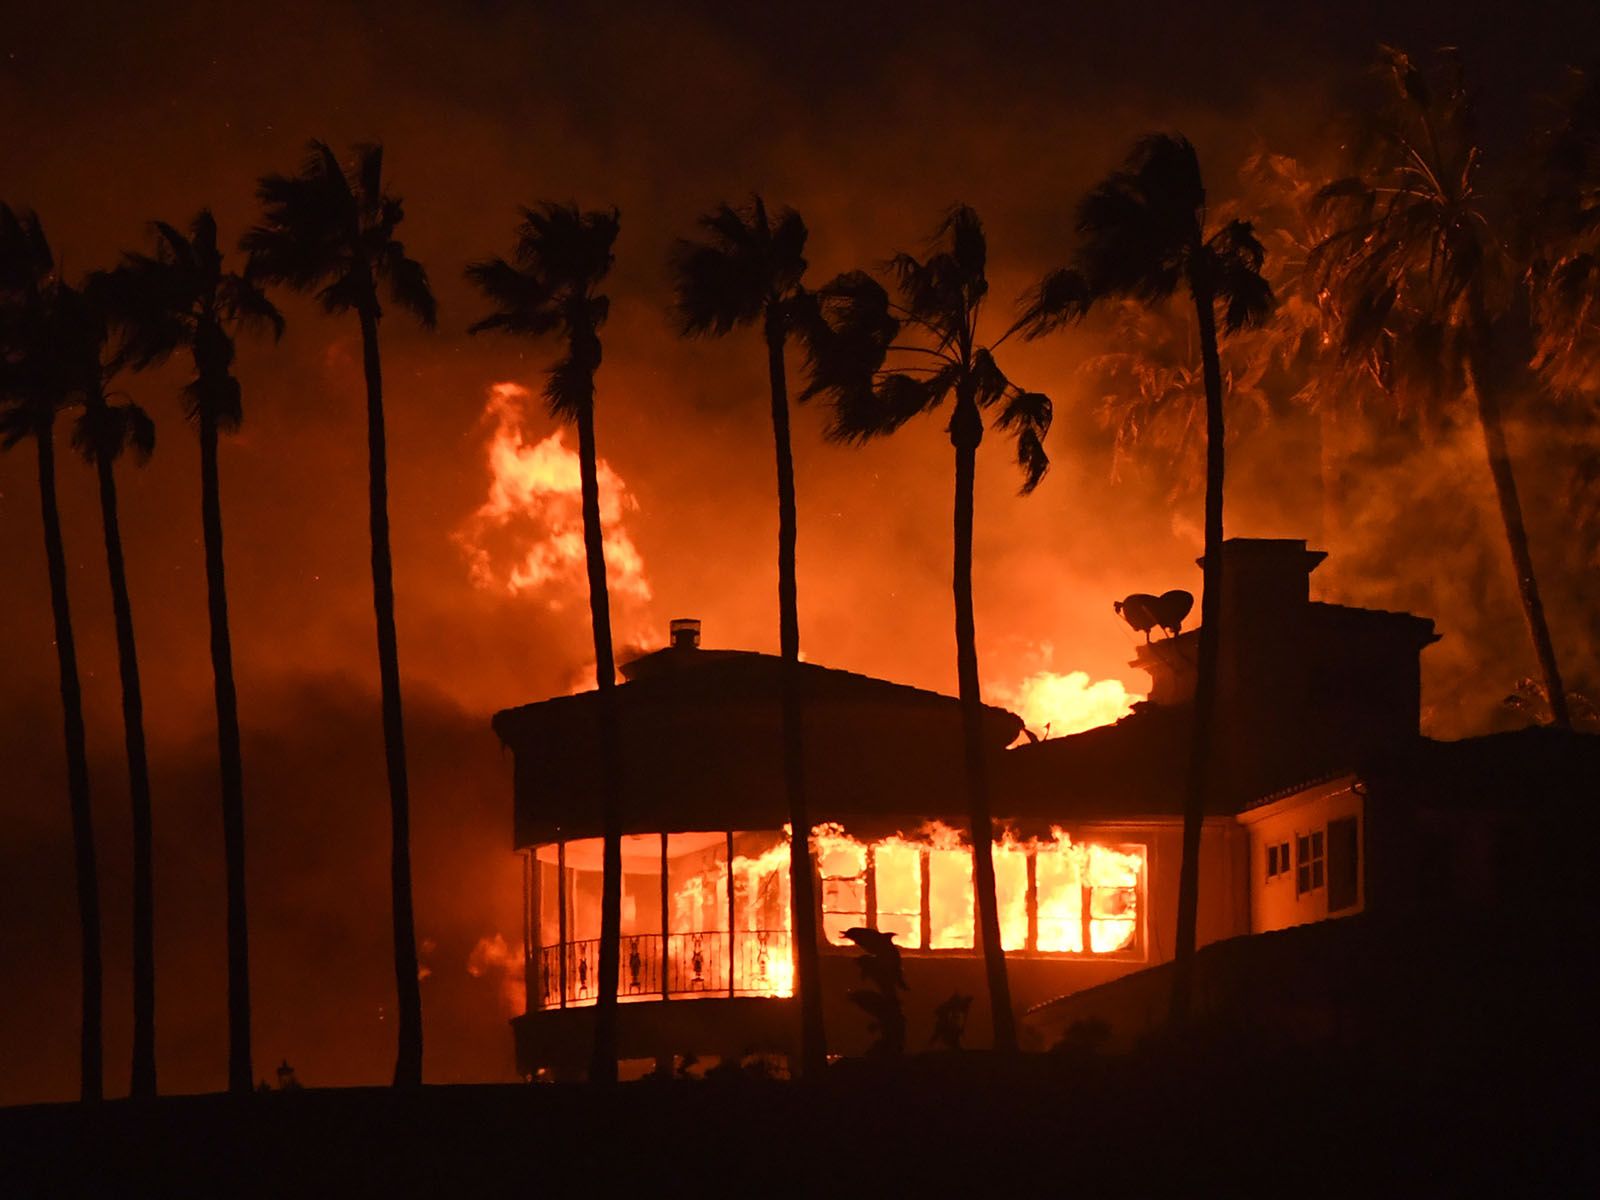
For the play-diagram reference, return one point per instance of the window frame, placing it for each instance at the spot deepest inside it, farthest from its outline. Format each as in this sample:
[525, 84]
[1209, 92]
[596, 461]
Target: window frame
[1137, 950]
[1310, 861]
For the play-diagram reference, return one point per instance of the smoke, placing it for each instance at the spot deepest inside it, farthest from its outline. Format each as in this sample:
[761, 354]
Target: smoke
[492, 959]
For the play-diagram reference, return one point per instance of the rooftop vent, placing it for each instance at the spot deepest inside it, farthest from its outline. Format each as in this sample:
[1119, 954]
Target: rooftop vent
[685, 633]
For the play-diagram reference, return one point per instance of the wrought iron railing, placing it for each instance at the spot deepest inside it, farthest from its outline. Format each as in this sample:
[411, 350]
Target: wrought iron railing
[695, 964]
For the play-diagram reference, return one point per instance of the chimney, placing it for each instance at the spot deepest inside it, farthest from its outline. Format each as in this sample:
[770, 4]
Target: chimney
[685, 633]
[1266, 593]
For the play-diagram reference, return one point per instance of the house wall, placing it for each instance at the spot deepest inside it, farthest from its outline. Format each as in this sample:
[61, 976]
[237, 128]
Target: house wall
[724, 1026]
[1034, 979]
[1276, 901]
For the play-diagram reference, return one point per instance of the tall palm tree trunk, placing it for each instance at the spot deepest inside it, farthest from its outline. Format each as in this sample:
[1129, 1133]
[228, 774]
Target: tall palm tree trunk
[144, 966]
[90, 1055]
[966, 431]
[603, 1065]
[408, 1060]
[1198, 784]
[1505, 490]
[802, 888]
[230, 762]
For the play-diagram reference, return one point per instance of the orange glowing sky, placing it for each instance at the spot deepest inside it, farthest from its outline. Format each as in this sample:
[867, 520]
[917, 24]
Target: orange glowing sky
[867, 121]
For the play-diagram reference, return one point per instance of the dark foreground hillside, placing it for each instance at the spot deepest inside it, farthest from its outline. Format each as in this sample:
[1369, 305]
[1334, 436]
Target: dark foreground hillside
[1229, 1116]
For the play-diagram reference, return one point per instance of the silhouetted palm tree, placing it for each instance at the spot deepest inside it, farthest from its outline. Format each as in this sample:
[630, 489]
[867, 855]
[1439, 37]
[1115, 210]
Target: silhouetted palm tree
[331, 231]
[1419, 265]
[181, 298]
[106, 428]
[32, 392]
[1565, 276]
[549, 288]
[1143, 235]
[748, 268]
[880, 362]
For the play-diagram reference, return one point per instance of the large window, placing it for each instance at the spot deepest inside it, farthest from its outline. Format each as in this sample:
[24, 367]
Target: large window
[1054, 896]
[708, 914]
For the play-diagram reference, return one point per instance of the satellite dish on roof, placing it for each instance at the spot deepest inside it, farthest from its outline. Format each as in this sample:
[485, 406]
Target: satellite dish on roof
[1145, 612]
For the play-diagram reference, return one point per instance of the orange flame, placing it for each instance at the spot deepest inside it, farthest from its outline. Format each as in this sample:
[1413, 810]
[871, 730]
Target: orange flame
[527, 535]
[1053, 705]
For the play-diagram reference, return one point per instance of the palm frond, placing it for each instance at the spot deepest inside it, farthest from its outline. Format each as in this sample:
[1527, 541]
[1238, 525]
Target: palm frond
[863, 413]
[846, 328]
[1061, 298]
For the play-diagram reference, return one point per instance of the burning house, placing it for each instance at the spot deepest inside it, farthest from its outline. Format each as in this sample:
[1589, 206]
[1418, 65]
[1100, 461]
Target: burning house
[1089, 827]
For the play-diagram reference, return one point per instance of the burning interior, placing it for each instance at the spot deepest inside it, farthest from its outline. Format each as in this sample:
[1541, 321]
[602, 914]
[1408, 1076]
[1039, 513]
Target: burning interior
[687, 935]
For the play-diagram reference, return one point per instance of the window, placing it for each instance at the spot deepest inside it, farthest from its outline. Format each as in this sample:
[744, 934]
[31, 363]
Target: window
[842, 865]
[897, 887]
[1054, 896]
[1309, 862]
[950, 899]
[1344, 859]
[1277, 860]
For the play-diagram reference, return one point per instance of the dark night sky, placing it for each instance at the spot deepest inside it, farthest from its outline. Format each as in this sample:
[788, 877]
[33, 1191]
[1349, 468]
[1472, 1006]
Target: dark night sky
[868, 118]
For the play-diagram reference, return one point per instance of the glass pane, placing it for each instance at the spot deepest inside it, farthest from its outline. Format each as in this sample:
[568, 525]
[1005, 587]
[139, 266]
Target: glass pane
[697, 918]
[1011, 890]
[1060, 897]
[549, 881]
[897, 875]
[950, 899]
[641, 884]
[1113, 896]
[842, 864]
[763, 963]
[583, 889]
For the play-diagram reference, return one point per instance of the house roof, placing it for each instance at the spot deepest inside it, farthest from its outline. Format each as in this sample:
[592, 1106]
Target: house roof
[1420, 628]
[734, 678]
[1133, 768]
[1515, 769]
[702, 748]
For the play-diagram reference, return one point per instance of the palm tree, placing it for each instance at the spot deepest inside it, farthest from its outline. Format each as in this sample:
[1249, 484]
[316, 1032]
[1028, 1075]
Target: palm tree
[1421, 271]
[749, 268]
[106, 428]
[1144, 234]
[181, 298]
[1153, 396]
[30, 398]
[331, 231]
[1565, 276]
[880, 362]
[549, 288]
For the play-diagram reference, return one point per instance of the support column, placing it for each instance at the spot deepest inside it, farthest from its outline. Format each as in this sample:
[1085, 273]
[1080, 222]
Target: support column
[666, 921]
[561, 916]
[729, 871]
[531, 958]
[1032, 902]
[927, 894]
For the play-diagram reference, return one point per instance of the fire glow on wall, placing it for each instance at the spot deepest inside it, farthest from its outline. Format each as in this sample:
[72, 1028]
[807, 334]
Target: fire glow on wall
[686, 934]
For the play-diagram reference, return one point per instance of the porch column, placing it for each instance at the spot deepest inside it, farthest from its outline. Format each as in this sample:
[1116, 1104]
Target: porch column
[666, 921]
[561, 915]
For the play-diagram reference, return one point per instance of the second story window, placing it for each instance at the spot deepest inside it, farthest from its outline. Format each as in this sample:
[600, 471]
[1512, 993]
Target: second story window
[1309, 862]
[1277, 860]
